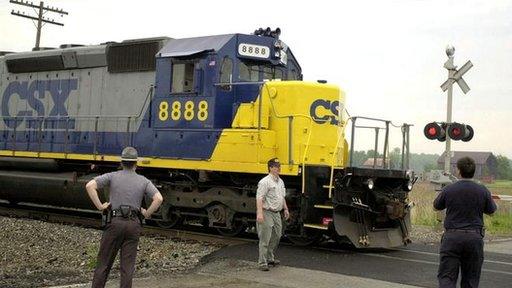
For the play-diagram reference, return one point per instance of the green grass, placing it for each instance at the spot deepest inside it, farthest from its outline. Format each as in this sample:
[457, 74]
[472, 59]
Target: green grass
[501, 187]
[423, 213]
[499, 224]
[92, 256]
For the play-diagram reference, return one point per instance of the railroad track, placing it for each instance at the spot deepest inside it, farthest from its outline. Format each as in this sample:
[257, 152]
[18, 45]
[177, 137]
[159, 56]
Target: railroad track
[92, 219]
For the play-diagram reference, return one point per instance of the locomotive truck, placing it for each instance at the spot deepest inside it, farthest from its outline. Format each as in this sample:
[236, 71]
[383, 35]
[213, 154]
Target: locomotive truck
[205, 114]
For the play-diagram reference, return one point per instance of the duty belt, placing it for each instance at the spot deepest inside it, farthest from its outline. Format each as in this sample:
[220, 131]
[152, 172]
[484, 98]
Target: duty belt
[117, 213]
[272, 210]
[465, 230]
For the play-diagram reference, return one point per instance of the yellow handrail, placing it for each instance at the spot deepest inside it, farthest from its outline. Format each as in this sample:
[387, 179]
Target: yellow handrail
[334, 154]
[309, 134]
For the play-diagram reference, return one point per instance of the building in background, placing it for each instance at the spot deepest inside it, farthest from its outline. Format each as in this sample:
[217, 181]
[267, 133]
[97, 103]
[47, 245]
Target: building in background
[486, 164]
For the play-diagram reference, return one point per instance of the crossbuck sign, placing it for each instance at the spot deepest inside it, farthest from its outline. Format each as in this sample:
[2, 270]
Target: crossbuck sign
[457, 77]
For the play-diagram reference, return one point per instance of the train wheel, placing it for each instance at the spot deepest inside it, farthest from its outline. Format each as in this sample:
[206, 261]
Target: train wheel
[236, 229]
[173, 220]
[311, 237]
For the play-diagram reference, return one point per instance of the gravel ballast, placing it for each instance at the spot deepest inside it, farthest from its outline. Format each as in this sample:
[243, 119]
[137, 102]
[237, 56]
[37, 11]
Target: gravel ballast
[35, 253]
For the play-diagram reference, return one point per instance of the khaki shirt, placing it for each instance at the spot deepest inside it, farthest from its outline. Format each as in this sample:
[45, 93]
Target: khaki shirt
[272, 193]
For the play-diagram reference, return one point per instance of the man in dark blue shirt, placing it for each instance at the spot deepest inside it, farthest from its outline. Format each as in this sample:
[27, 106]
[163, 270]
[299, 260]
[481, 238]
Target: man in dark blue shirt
[462, 244]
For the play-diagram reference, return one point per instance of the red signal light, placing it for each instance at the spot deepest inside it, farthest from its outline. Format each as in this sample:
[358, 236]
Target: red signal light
[458, 131]
[432, 131]
[435, 131]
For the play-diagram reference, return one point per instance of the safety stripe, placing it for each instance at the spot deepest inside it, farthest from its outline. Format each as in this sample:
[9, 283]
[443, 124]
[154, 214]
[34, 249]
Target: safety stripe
[150, 162]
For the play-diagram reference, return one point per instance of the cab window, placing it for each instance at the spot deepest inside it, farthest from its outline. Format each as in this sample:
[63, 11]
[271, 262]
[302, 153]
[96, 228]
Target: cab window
[278, 74]
[270, 73]
[292, 74]
[183, 77]
[249, 73]
[226, 73]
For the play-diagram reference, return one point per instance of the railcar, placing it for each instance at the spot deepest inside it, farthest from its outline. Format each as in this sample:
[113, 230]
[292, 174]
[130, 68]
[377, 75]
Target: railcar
[205, 114]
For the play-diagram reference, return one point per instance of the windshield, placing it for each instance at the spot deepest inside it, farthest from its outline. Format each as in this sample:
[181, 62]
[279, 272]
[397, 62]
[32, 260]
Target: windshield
[253, 72]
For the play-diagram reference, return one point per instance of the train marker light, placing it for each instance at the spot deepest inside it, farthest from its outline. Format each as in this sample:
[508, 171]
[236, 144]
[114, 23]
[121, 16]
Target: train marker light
[326, 221]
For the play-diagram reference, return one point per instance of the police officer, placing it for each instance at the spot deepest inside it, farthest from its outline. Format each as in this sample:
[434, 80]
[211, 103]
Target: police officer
[270, 201]
[462, 244]
[127, 189]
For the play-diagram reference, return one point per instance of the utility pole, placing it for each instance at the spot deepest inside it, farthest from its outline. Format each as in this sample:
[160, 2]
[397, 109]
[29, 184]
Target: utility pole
[40, 10]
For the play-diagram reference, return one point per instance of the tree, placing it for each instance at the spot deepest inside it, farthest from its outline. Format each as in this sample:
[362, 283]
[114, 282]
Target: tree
[358, 158]
[395, 158]
[504, 168]
[429, 166]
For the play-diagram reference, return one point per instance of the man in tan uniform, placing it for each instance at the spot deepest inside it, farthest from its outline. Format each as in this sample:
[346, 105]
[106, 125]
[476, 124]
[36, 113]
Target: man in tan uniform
[270, 201]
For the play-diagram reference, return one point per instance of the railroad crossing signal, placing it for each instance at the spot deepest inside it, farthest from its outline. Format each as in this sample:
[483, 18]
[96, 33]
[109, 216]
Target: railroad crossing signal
[457, 77]
[458, 131]
[435, 131]
[455, 131]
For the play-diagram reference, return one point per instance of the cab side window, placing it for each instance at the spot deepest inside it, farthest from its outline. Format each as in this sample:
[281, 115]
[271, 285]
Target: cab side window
[183, 77]
[226, 73]
[292, 74]
[278, 74]
[271, 73]
[249, 73]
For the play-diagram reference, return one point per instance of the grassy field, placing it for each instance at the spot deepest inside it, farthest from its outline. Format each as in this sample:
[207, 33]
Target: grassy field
[501, 187]
[500, 223]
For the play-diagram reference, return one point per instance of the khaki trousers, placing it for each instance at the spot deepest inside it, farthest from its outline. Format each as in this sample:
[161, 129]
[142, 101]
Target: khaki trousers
[269, 233]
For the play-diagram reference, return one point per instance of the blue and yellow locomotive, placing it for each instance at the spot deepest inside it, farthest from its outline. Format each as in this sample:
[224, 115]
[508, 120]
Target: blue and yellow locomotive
[206, 114]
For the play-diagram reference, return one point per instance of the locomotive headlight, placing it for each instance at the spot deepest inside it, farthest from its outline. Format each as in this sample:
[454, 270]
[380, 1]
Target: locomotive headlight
[277, 54]
[408, 186]
[369, 183]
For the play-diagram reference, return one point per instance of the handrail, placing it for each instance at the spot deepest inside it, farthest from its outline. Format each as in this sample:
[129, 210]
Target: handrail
[405, 140]
[307, 141]
[41, 121]
[64, 117]
[290, 123]
[334, 153]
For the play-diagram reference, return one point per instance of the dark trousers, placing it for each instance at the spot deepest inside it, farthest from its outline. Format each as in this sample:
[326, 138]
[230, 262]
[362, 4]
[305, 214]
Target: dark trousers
[464, 250]
[119, 234]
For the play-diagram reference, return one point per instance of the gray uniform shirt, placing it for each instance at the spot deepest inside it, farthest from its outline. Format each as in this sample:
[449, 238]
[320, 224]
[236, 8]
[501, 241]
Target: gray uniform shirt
[272, 193]
[126, 187]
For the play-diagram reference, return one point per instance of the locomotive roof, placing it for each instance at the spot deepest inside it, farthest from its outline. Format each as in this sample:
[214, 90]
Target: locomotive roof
[191, 46]
[172, 47]
[108, 54]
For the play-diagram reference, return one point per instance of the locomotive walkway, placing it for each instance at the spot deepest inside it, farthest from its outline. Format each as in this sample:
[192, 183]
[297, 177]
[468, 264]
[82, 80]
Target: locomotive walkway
[412, 266]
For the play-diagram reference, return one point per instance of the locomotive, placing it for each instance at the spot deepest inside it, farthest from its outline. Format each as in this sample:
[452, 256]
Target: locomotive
[205, 114]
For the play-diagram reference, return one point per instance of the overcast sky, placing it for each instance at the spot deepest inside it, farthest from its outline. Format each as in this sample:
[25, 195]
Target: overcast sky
[387, 56]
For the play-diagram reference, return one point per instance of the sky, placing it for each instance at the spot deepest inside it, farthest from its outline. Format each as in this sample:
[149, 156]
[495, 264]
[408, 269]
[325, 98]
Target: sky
[387, 56]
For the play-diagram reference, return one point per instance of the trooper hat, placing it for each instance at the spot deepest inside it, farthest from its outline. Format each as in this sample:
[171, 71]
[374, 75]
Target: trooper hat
[129, 154]
[273, 163]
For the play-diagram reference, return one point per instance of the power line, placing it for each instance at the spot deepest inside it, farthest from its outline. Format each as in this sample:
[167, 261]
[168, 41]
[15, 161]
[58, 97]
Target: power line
[41, 10]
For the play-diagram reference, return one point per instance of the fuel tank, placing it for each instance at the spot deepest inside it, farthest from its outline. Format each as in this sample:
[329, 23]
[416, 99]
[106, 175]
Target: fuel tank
[59, 189]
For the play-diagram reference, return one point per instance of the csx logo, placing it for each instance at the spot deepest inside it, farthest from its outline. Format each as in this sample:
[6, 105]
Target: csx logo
[32, 92]
[325, 111]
